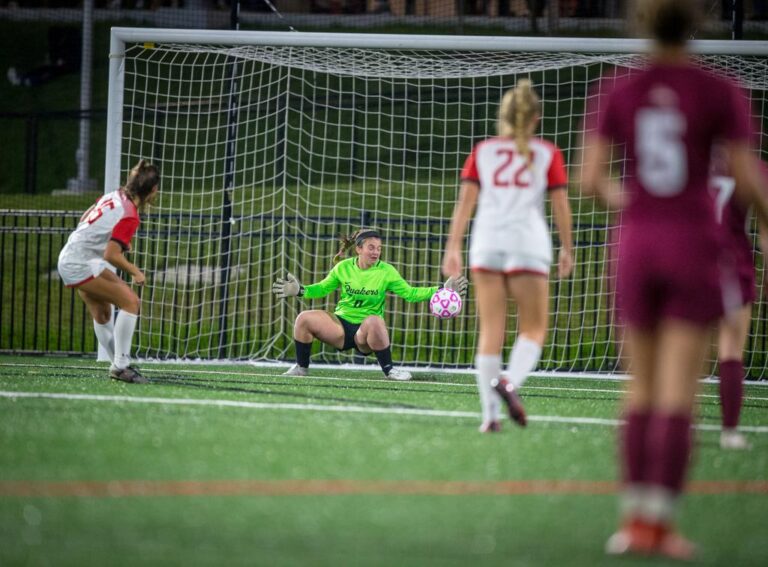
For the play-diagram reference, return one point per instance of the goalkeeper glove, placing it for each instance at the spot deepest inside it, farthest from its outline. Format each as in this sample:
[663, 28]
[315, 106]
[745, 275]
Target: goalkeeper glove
[288, 287]
[458, 284]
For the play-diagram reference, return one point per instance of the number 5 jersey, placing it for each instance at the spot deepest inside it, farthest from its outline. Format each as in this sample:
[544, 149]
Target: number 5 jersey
[112, 217]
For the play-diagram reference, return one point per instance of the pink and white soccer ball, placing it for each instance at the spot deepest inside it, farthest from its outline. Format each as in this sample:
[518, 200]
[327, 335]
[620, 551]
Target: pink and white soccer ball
[445, 303]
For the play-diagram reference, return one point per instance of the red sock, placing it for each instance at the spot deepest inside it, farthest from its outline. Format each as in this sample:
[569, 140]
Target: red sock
[731, 391]
[632, 445]
[668, 450]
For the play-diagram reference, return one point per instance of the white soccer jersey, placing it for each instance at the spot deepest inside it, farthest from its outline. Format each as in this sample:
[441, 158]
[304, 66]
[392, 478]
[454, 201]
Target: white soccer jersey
[510, 219]
[112, 217]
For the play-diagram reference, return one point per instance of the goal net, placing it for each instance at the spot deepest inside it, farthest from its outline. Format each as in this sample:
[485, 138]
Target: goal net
[270, 145]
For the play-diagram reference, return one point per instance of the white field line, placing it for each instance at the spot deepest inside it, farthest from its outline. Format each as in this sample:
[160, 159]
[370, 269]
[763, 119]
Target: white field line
[370, 368]
[364, 379]
[330, 408]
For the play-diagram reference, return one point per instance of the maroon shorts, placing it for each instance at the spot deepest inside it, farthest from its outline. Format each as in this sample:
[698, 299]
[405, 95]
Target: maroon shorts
[668, 272]
[748, 286]
[744, 266]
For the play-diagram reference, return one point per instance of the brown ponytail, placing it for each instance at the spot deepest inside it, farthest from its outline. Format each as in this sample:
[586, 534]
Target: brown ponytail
[669, 22]
[350, 241]
[141, 180]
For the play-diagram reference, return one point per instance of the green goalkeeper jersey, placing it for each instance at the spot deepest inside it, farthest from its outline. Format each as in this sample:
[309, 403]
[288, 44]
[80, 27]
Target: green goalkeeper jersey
[363, 291]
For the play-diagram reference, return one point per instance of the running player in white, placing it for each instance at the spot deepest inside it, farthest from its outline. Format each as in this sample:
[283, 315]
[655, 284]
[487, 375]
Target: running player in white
[508, 178]
[91, 255]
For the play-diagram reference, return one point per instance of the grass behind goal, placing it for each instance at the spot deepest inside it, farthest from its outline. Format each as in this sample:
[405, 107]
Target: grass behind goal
[210, 464]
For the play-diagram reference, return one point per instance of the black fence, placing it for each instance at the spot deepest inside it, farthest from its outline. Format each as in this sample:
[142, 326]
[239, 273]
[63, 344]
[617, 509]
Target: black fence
[37, 313]
[186, 316]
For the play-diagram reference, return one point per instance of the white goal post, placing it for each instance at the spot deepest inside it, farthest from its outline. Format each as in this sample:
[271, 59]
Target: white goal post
[270, 144]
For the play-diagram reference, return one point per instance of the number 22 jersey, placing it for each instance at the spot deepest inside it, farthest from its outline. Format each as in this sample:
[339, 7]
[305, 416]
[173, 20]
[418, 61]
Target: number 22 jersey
[510, 216]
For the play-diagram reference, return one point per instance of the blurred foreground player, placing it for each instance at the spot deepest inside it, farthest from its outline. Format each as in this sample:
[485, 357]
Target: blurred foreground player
[669, 290]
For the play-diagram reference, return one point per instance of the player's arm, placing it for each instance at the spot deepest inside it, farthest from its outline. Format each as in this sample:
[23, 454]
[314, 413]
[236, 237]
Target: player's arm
[561, 210]
[763, 239]
[465, 206]
[594, 173]
[322, 288]
[397, 285]
[750, 183]
[291, 287]
[115, 256]
[119, 243]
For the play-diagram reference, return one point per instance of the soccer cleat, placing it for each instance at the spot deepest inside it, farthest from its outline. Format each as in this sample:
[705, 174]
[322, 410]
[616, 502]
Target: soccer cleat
[620, 543]
[639, 537]
[732, 439]
[635, 537]
[674, 546]
[397, 374]
[510, 397]
[296, 370]
[129, 374]
[492, 426]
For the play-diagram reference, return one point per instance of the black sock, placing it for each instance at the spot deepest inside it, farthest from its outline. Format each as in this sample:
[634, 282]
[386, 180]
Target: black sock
[303, 350]
[385, 359]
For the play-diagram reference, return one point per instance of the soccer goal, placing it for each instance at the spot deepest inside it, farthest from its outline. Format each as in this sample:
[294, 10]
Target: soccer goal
[271, 144]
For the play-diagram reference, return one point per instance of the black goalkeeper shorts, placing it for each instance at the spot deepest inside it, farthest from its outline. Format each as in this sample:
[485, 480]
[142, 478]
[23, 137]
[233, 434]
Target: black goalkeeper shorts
[349, 335]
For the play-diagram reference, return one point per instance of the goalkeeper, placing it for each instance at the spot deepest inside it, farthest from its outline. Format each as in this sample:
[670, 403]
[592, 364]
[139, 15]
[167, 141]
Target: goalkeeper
[358, 320]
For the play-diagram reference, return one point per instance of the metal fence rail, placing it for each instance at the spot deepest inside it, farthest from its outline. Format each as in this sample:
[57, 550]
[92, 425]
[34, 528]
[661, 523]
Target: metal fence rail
[39, 315]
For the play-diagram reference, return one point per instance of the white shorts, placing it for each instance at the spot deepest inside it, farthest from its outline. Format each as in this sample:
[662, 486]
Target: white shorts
[507, 262]
[76, 272]
[518, 246]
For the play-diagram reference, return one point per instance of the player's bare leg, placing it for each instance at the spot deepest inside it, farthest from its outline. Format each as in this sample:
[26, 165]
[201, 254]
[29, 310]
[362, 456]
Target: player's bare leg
[491, 297]
[103, 326]
[108, 288]
[531, 294]
[372, 336]
[311, 325]
[320, 325]
[732, 336]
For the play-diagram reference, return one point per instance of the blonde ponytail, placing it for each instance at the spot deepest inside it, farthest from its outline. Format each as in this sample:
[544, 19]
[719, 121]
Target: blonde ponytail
[519, 108]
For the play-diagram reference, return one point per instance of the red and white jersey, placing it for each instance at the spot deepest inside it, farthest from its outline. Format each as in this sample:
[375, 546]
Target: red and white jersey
[112, 217]
[512, 192]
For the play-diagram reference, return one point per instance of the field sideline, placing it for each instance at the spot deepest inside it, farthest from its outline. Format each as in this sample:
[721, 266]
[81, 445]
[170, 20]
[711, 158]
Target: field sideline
[235, 463]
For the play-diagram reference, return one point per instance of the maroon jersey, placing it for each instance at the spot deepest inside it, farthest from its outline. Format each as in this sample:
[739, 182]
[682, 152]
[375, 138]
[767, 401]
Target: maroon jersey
[734, 220]
[666, 119]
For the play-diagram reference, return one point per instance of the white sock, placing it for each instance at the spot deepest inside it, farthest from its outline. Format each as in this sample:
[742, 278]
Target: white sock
[631, 500]
[124, 327]
[106, 336]
[522, 360]
[488, 367]
[659, 505]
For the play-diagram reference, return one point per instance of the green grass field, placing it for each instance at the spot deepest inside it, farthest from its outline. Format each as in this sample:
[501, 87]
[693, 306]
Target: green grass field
[239, 465]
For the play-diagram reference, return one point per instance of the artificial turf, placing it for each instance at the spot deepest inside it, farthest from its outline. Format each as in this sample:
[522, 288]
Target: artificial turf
[222, 463]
